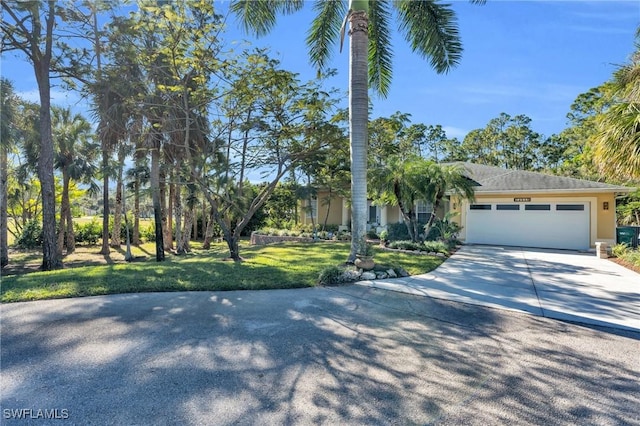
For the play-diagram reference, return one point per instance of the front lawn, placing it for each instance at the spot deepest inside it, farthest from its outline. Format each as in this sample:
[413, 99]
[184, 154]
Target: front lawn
[287, 265]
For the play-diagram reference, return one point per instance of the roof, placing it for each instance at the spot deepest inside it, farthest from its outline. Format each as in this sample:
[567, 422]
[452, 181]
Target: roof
[491, 179]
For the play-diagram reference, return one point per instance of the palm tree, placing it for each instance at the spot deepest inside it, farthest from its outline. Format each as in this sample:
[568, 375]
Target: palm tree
[7, 112]
[403, 182]
[618, 140]
[429, 27]
[74, 157]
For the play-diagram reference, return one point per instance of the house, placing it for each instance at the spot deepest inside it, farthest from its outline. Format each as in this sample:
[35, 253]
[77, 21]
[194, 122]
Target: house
[512, 208]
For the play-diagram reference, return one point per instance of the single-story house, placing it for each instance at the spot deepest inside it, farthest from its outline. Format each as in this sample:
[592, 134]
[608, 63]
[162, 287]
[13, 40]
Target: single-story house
[511, 207]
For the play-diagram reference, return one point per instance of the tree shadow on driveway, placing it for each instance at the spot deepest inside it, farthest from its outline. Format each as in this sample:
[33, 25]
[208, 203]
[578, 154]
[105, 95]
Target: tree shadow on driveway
[346, 355]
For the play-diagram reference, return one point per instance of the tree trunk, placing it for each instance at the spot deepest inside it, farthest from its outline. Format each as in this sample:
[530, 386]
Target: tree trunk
[358, 121]
[105, 200]
[234, 247]
[208, 233]
[178, 210]
[204, 218]
[64, 205]
[4, 234]
[116, 241]
[163, 207]
[187, 228]
[71, 236]
[155, 194]
[50, 255]
[168, 217]
[136, 211]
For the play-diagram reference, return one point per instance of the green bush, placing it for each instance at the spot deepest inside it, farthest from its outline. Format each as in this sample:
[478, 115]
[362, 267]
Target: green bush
[88, 233]
[633, 257]
[619, 250]
[31, 236]
[397, 232]
[148, 233]
[436, 247]
[330, 275]
[405, 245]
[384, 236]
[372, 235]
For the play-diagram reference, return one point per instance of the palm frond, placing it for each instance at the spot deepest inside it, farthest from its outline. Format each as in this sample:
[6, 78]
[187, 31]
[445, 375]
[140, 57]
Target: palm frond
[259, 16]
[325, 30]
[617, 145]
[380, 53]
[432, 31]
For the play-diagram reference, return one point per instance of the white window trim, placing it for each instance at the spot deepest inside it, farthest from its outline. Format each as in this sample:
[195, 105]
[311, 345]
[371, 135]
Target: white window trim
[423, 207]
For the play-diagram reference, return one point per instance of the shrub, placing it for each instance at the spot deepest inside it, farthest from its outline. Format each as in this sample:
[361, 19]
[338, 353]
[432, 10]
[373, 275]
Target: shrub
[443, 229]
[436, 247]
[372, 235]
[384, 236]
[342, 236]
[88, 233]
[619, 250]
[330, 275]
[148, 233]
[397, 232]
[405, 245]
[31, 236]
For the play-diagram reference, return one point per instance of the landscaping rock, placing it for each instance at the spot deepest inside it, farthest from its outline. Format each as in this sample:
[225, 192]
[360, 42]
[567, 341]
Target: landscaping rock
[368, 276]
[391, 273]
[381, 275]
[349, 276]
[403, 273]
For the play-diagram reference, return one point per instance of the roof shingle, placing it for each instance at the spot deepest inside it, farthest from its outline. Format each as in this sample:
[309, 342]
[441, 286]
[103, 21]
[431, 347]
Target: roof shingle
[496, 179]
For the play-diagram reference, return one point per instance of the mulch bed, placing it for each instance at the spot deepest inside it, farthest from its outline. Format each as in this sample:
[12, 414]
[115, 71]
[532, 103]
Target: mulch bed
[626, 264]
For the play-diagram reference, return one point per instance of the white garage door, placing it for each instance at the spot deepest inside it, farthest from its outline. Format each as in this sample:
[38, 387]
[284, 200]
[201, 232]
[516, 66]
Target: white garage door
[552, 225]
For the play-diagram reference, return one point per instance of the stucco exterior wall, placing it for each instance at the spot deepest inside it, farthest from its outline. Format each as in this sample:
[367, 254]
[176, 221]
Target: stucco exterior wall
[334, 207]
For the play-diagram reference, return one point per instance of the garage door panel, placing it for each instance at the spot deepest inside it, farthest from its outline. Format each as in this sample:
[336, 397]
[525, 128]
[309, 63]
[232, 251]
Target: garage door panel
[567, 229]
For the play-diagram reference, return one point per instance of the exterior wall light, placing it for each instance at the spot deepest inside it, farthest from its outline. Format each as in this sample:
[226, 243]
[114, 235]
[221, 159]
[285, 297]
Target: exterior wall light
[605, 205]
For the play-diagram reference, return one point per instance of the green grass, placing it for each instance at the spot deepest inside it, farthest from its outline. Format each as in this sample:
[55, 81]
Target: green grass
[289, 265]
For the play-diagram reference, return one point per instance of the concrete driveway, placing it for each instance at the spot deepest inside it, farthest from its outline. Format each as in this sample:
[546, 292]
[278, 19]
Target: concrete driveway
[556, 284]
[348, 355]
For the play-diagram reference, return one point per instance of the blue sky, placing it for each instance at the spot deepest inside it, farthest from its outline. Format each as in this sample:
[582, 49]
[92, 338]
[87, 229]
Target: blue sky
[521, 57]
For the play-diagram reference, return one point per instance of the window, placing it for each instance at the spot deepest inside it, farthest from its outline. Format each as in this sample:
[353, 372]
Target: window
[537, 207]
[508, 207]
[480, 207]
[423, 211]
[373, 214]
[312, 209]
[570, 207]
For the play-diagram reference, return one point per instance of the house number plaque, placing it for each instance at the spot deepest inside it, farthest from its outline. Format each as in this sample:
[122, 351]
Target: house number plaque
[522, 200]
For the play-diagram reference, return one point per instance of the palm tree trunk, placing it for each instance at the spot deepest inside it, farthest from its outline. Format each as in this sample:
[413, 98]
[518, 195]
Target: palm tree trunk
[358, 121]
[178, 210]
[105, 200]
[116, 241]
[64, 204]
[168, 217]
[4, 234]
[157, 205]
[71, 236]
[187, 228]
[136, 211]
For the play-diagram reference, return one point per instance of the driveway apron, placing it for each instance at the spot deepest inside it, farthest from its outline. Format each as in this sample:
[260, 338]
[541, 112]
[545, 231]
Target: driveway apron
[558, 284]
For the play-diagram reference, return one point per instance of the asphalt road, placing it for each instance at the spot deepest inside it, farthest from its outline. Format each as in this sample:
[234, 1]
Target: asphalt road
[344, 355]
